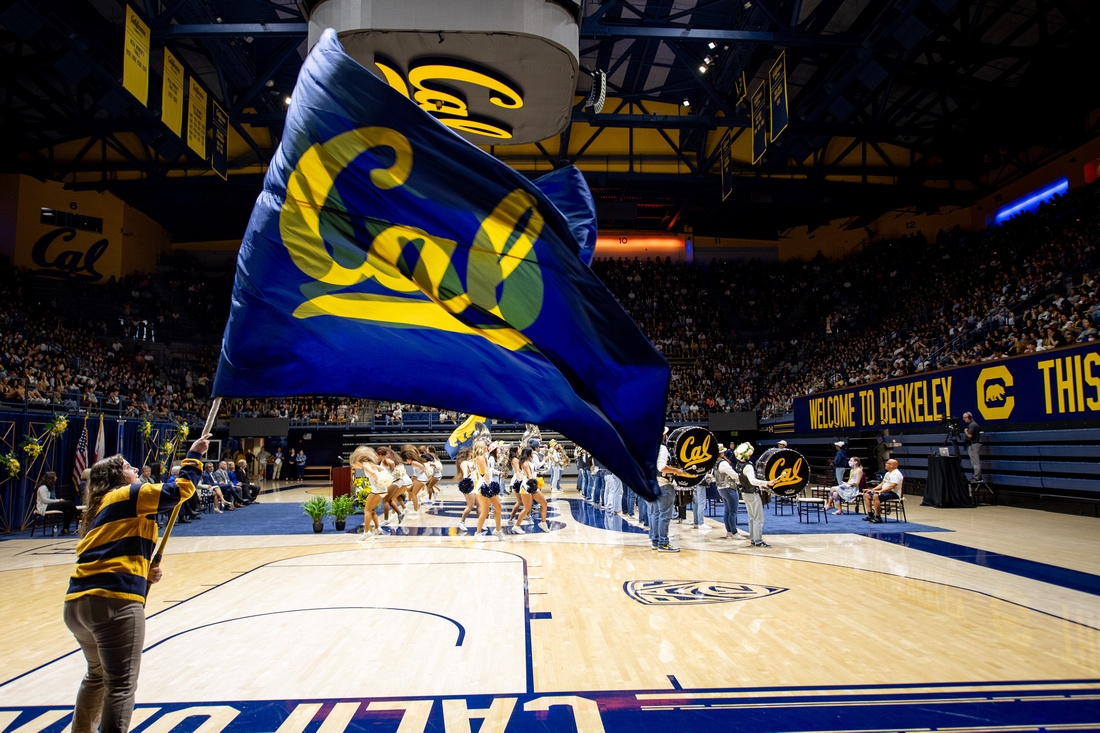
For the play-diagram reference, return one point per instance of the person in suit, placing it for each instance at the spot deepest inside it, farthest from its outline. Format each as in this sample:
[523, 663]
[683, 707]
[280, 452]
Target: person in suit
[248, 489]
[210, 483]
[228, 484]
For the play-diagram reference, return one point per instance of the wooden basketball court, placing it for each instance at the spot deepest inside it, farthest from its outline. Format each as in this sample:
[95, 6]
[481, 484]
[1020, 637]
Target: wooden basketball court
[993, 624]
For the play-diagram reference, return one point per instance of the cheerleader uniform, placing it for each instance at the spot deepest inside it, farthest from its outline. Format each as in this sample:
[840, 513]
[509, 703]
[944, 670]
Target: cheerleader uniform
[382, 484]
[531, 482]
[466, 485]
[517, 480]
[401, 476]
[488, 485]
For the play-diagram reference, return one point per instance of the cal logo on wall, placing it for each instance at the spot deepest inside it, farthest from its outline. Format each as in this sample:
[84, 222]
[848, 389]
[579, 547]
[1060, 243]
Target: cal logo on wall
[494, 71]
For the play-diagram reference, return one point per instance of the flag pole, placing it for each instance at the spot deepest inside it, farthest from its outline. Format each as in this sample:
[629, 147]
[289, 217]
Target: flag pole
[211, 416]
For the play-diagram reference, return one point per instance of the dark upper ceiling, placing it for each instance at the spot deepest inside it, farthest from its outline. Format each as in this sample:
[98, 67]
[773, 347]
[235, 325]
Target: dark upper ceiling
[894, 104]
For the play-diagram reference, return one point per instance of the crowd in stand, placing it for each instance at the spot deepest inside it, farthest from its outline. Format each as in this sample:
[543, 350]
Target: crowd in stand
[739, 335]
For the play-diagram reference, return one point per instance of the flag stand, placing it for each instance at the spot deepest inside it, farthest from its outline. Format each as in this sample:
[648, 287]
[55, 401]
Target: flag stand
[209, 426]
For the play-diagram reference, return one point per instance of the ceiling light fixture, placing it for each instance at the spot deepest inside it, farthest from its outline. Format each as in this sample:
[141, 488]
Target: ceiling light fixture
[702, 68]
[287, 101]
[687, 102]
[712, 45]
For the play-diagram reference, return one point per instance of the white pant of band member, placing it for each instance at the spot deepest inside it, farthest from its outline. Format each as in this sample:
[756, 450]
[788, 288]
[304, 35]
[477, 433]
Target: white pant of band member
[754, 507]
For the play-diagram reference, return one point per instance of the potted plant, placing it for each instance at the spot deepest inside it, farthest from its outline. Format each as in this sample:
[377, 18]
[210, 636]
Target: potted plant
[317, 508]
[342, 506]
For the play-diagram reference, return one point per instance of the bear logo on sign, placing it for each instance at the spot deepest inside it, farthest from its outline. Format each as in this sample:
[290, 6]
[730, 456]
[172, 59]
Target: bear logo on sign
[995, 393]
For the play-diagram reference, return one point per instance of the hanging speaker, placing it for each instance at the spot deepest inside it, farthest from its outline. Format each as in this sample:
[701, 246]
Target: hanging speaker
[598, 95]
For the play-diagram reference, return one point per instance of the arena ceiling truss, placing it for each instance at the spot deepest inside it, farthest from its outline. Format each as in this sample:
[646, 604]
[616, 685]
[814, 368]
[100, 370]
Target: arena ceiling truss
[894, 104]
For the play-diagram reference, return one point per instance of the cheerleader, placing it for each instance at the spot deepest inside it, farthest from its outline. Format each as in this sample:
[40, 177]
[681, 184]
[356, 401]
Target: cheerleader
[364, 463]
[488, 491]
[532, 493]
[522, 507]
[403, 481]
[437, 473]
[522, 499]
[465, 469]
[428, 461]
[411, 457]
[392, 502]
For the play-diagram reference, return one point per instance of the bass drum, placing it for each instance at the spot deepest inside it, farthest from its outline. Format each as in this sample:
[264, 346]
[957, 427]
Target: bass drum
[790, 469]
[693, 449]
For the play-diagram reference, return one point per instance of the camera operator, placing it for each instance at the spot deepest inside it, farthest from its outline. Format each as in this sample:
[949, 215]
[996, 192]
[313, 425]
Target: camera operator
[973, 445]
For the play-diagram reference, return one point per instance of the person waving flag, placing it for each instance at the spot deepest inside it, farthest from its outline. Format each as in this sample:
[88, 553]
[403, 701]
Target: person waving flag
[388, 258]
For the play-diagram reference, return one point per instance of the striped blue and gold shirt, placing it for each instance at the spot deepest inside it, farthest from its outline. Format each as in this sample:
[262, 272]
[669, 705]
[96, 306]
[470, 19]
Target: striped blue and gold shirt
[113, 556]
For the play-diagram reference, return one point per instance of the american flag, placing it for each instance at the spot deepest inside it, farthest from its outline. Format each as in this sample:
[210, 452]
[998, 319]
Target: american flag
[80, 462]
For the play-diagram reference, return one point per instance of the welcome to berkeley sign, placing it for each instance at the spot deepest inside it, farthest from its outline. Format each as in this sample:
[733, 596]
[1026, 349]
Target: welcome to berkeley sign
[1063, 384]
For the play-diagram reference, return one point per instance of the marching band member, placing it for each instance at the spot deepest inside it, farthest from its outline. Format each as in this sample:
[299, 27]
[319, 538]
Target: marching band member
[750, 490]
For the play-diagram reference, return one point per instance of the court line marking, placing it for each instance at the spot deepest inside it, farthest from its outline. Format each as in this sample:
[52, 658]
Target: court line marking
[461, 628]
[922, 688]
[530, 671]
[1074, 580]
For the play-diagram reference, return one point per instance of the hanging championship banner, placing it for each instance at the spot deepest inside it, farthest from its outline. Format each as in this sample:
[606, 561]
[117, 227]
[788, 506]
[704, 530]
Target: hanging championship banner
[196, 118]
[219, 159]
[727, 164]
[741, 87]
[135, 57]
[171, 94]
[777, 82]
[759, 122]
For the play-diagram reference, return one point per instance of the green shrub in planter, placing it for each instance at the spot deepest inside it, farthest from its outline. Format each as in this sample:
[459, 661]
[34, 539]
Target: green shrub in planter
[317, 508]
[342, 507]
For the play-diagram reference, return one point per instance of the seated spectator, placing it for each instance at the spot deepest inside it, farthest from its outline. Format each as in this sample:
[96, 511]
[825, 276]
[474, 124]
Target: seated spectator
[248, 489]
[47, 500]
[189, 510]
[847, 490]
[211, 484]
[888, 488]
[227, 482]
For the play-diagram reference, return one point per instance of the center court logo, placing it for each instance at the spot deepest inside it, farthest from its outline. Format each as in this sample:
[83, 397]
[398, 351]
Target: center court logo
[995, 402]
[694, 592]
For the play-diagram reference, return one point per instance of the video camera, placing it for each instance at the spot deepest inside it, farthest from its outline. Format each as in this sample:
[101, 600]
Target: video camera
[954, 435]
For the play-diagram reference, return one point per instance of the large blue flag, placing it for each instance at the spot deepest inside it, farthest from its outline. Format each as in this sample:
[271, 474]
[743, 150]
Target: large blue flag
[388, 258]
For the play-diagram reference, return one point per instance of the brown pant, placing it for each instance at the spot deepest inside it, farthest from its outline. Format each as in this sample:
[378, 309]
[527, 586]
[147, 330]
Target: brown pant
[111, 633]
